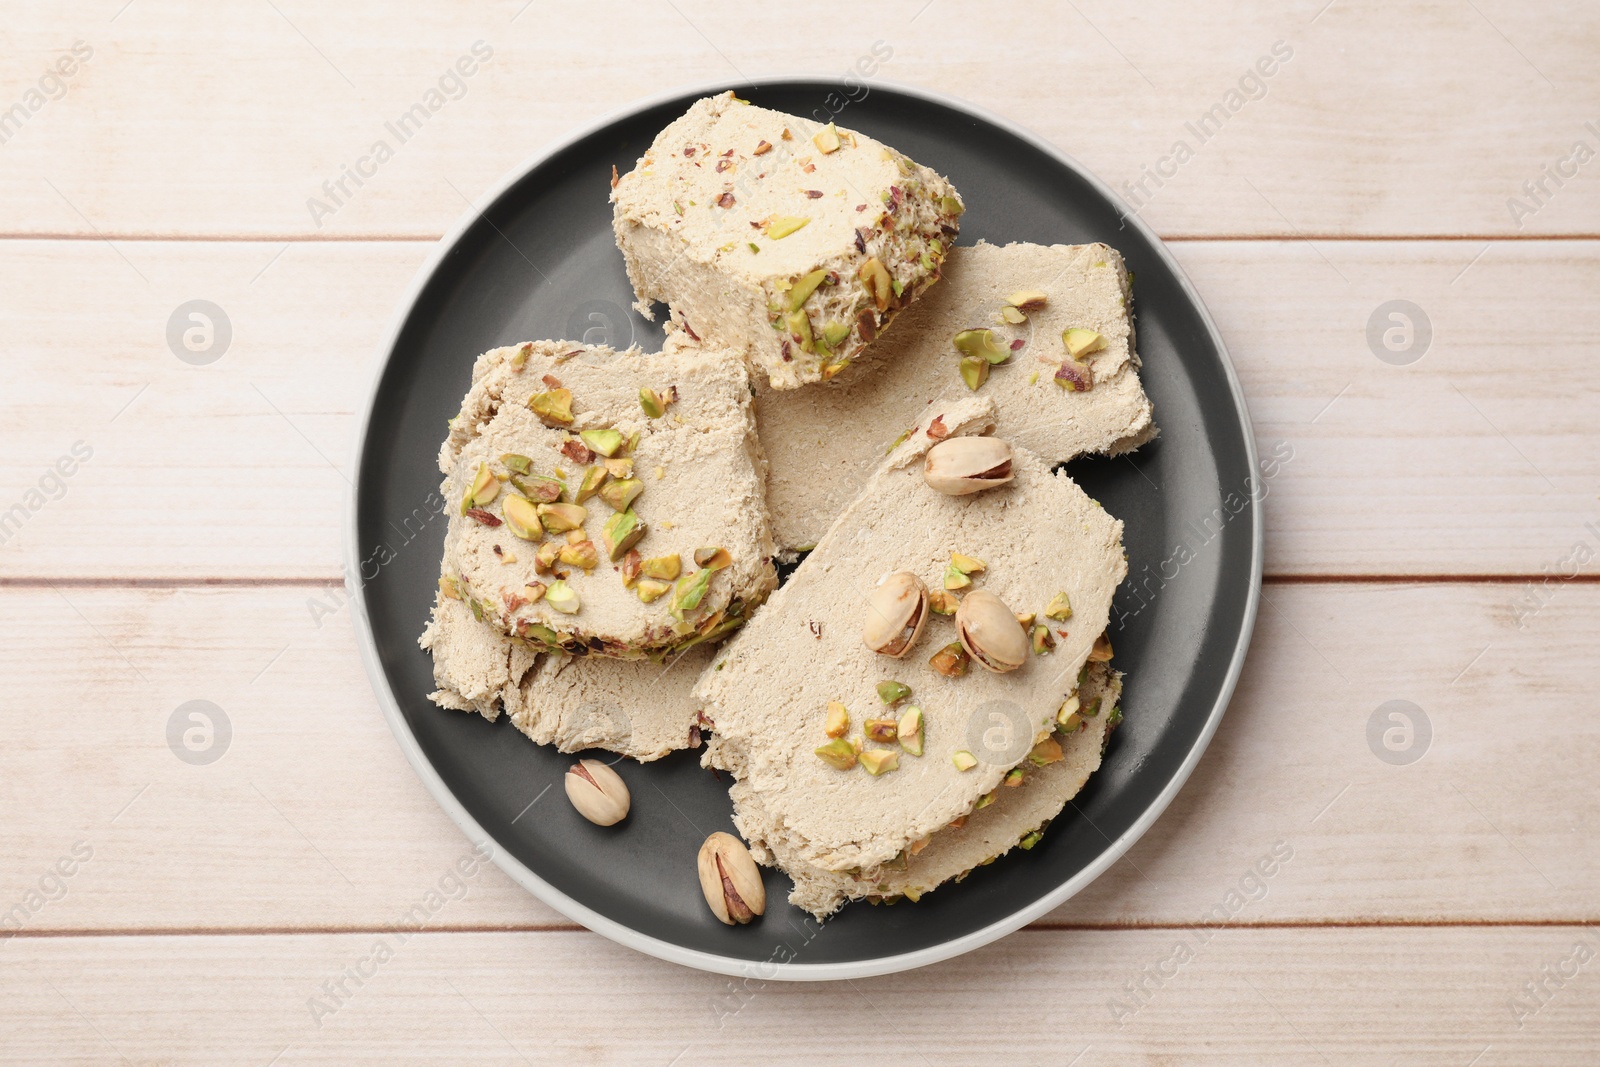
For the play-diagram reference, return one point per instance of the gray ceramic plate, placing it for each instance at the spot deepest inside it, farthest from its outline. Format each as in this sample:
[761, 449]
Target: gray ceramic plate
[538, 262]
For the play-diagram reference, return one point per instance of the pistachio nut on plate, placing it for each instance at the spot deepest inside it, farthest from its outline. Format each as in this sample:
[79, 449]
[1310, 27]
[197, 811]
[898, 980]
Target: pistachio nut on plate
[958, 466]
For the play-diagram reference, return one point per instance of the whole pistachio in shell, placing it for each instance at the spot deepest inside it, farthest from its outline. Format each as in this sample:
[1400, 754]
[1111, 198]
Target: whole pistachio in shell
[597, 791]
[958, 466]
[896, 609]
[730, 879]
[990, 632]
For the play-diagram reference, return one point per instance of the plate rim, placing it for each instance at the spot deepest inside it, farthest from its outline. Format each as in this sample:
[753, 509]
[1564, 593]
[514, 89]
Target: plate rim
[697, 958]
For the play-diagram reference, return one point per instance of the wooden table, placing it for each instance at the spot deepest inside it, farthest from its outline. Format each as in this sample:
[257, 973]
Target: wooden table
[1433, 538]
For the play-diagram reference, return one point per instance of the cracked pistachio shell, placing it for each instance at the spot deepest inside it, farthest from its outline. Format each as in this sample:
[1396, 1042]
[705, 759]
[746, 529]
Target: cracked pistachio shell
[597, 791]
[897, 607]
[730, 879]
[958, 466]
[990, 632]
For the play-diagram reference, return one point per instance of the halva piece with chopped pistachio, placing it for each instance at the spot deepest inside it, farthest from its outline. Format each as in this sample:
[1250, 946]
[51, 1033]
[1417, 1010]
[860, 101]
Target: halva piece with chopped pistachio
[792, 242]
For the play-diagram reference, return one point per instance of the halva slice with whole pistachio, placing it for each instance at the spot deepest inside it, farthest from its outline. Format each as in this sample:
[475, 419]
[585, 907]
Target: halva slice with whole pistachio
[1035, 536]
[523, 471]
[1018, 818]
[823, 442]
[792, 242]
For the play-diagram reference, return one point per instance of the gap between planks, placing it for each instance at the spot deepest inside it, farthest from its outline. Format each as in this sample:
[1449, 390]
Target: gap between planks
[356, 238]
[570, 928]
[312, 582]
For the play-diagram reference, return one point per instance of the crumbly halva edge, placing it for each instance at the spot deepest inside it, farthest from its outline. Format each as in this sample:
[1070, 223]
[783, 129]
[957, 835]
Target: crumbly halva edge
[823, 442]
[793, 243]
[768, 690]
[1016, 816]
[698, 468]
[634, 708]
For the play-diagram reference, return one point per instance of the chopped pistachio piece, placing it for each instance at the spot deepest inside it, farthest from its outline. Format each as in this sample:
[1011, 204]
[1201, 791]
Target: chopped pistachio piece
[942, 603]
[802, 289]
[484, 488]
[554, 408]
[964, 760]
[1069, 707]
[1060, 608]
[951, 661]
[876, 761]
[688, 591]
[884, 731]
[651, 589]
[1011, 315]
[1026, 618]
[522, 518]
[621, 493]
[1081, 342]
[539, 488]
[517, 464]
[974, 371]
[981, 344]
[838, 723]
[834, 333]
[837, 753]
[712, 559]
[1074, 377]
[956, 578]
[827, 139]
[909, 729]
[621, 532]
[449, 588]
[579, 554]
[1069, 723]
[1046, 752]
[1043, 640]
[1114, 717]
[544, 560]
[875, 277]
[650, 402]
[1101, 652]
[563, 598]
[621, 467]
[1027, 300]
[606, 442]
[799, 326]
[781, 226]
[559, 518]
[1029, 840]
[1013, 777]
[893, 692]
[533, 592]
[983, 802]
[967, 564]
[593, 479]
[951, 206]
[664, 567]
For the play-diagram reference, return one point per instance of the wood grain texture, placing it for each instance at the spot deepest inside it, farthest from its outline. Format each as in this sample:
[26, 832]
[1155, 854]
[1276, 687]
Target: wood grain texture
[1464, 462]
[1434, 998]
[229, 123]
[1493, 823]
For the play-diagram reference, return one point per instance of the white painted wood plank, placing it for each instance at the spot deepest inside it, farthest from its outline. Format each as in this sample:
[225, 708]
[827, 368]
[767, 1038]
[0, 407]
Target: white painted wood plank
[1431, 997]
[1478, 458]
[312, 820]
[190, 120]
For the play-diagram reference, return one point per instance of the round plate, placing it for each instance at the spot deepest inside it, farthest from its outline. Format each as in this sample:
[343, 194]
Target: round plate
[539, 262]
